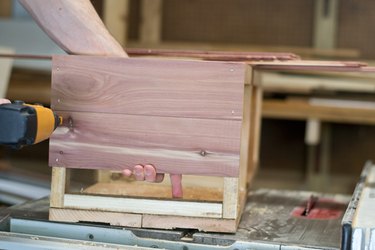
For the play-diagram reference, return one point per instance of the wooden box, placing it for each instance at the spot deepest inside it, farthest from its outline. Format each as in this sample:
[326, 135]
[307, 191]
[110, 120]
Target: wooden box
[200, 119]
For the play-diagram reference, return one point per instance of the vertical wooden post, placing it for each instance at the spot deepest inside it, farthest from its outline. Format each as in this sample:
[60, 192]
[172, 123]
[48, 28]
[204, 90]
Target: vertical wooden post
[230, 198]
[235, 188]
[115, 18]
[325, 24]
[255, 127]
[58, 186]
[151, 18]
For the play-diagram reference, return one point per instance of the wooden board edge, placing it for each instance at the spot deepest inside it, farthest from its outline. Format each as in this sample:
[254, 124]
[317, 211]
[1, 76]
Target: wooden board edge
[230, 198]
[147, 206]
[80, 215]
[144, 221]
[202, 224]
[255, 133]
[58, 186]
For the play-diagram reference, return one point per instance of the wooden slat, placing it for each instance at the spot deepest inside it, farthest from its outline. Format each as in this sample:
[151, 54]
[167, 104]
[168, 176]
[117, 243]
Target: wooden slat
[202, 224]
[148, 86]
[155, 190]
[302, 110]
[233, 187]
[146, 220]
[247, 126]
[174, 145]
[214, 55]
[113, 218]
[255, 128]
[230, 198]
[58, 187]
[146, 206]
[334, 66]
[304, 52]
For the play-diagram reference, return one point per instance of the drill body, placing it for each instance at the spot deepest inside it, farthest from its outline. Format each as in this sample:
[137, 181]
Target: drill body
[24, 124]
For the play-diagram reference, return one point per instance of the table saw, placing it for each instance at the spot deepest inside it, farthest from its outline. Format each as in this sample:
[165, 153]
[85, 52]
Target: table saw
[272, 219]
[267, 223]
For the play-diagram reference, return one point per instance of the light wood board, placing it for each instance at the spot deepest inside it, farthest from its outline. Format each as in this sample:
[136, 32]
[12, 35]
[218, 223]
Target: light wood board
[143, 206]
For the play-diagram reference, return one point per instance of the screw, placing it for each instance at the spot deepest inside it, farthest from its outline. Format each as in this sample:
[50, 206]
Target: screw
[70, 123]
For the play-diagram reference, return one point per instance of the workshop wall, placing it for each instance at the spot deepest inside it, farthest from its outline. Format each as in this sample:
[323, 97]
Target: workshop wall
[257, 22]
[356, 26]
[271, 22]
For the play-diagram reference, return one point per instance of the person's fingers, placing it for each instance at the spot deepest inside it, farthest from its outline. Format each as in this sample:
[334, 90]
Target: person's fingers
[159, 178]
[138, 172]
[147, 172]
[176, 185]
[4, 101]
[150, 173]
[127, 172]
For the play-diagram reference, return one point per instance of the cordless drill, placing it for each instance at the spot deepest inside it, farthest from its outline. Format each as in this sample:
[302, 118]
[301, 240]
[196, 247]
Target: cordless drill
[24, 124]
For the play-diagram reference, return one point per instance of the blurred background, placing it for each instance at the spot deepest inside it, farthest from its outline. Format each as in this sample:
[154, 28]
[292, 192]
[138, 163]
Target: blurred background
[317, 129]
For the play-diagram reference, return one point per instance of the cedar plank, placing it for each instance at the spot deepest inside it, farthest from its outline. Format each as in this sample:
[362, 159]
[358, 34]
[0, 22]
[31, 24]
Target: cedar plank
[173, 144]
[139, 86]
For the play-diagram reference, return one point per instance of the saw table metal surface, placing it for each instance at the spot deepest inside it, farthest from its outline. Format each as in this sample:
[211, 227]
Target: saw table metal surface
[272, 220]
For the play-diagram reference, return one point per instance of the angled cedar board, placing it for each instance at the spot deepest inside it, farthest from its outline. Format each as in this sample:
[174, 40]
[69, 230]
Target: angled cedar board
[183, 116]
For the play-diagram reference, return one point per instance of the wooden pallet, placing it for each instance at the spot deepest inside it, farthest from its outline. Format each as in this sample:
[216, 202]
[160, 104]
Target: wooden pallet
[189, 117]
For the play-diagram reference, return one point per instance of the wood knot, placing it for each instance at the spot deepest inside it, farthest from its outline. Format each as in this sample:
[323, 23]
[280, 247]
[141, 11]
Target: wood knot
[203, 153]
